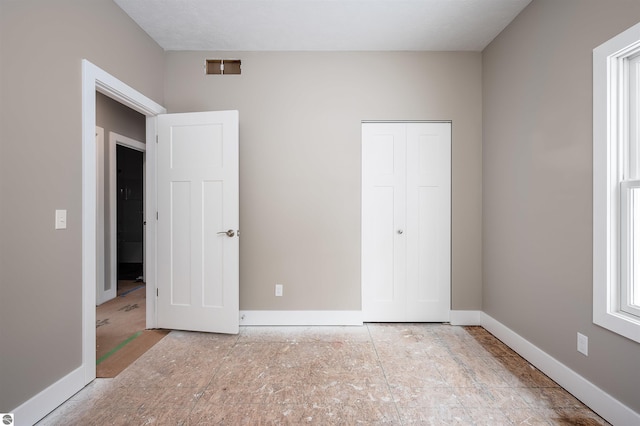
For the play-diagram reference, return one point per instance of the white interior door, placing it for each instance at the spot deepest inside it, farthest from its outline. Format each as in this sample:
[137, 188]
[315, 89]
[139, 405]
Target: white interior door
[406, 222]
[104, 290]
[383, 221]
[198, 219]
[428, 214]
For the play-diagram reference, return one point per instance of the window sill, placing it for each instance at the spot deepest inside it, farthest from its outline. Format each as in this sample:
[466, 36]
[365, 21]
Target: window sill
[619, 322]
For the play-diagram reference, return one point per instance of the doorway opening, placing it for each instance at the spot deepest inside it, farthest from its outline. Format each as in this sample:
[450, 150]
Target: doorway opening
[129, 217]
[127, 207]
[120, 195]
[121, 291]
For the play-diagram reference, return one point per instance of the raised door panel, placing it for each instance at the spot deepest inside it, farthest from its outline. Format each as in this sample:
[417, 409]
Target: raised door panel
[198, 200]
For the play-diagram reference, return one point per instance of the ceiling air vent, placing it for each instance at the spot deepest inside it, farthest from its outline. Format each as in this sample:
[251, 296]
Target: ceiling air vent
[222, 66]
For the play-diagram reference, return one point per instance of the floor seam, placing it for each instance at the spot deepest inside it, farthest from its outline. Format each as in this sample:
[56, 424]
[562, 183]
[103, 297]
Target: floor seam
[384, 374]
[215, 372]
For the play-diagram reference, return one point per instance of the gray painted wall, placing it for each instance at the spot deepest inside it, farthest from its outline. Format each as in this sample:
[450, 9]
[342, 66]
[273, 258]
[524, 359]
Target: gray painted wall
[115, 117]
[537, 190]
[42, 44]
[300, 125]
[300, 172]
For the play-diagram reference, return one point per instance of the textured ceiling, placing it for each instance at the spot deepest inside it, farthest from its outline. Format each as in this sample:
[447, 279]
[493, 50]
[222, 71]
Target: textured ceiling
[330, 25]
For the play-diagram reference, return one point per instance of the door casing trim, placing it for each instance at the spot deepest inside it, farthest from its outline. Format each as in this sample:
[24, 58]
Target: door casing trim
[95, 79]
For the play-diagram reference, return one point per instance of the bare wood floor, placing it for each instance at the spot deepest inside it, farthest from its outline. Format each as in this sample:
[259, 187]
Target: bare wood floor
[121, 337]
[378, 373]
[121, 317]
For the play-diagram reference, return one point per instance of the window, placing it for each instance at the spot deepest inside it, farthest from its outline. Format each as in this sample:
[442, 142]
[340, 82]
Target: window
[630, 193]
[616, 184]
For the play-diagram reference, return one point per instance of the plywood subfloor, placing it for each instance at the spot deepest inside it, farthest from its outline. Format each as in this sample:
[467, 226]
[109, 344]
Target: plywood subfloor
[121, 337]
[128, 352]
[395, 374]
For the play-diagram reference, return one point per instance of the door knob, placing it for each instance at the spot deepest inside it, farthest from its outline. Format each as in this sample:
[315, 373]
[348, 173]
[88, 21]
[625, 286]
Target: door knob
[229, 233]
[400, 231]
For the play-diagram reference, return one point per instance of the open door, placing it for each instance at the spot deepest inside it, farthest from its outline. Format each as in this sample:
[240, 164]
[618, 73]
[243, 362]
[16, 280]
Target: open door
[105, 291]
[198, 219]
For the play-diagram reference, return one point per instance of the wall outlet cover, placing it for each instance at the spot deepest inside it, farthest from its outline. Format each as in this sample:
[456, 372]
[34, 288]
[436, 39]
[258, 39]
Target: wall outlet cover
[583, 344]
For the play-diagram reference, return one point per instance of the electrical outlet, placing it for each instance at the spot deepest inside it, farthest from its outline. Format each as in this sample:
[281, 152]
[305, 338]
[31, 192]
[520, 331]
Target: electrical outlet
[279, 290]
[583, 344]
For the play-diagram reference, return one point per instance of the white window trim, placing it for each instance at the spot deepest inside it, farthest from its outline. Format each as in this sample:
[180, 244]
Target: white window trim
[627, 269]
[609, 125]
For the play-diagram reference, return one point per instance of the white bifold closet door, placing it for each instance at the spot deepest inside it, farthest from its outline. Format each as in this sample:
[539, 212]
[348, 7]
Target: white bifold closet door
[406, 221]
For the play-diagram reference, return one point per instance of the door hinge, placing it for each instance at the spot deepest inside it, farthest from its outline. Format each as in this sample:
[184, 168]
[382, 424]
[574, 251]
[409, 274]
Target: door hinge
[156, 138]
[157, 293]
[157, 216]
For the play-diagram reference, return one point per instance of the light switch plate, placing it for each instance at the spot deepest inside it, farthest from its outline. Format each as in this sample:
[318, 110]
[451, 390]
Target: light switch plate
[61, 219]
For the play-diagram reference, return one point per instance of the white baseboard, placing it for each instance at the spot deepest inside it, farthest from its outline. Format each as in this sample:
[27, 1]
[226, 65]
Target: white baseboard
[609, 408]
[465, 317]
[301, 318]
[49, 399]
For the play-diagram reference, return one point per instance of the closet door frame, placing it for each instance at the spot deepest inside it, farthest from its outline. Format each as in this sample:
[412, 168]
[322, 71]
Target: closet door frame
[406, 247]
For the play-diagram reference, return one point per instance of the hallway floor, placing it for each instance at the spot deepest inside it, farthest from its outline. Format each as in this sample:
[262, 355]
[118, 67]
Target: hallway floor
[379, 373]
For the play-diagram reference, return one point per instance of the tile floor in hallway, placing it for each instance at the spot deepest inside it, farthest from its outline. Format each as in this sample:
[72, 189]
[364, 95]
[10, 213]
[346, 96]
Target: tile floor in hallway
[379, 373]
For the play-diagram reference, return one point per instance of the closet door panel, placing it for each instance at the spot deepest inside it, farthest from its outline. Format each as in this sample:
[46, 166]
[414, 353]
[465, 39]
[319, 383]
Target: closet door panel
[406, 221]
[428, 172]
